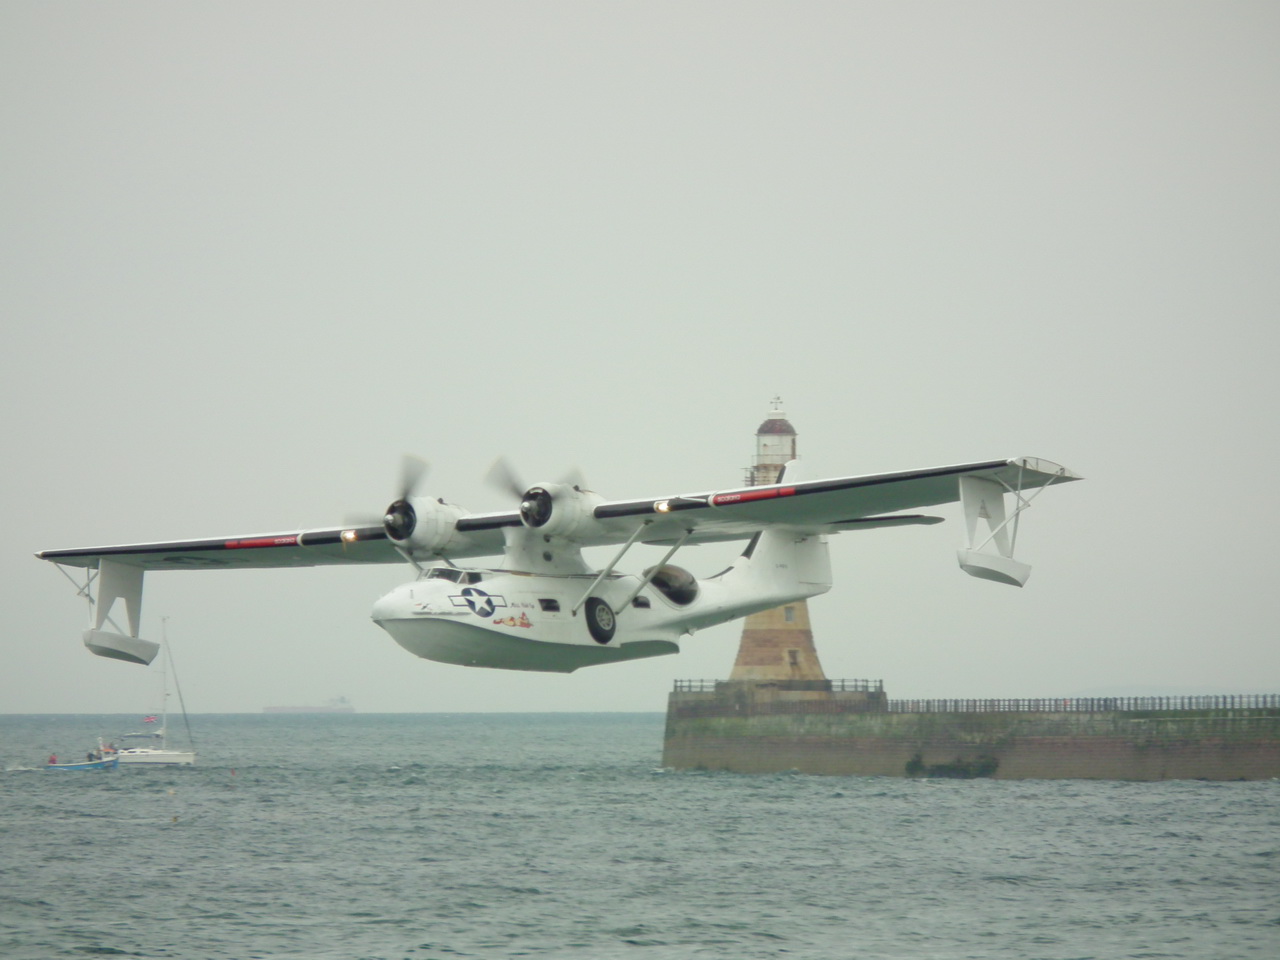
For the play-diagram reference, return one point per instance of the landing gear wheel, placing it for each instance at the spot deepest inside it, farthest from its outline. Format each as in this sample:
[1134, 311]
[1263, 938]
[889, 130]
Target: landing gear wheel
[600, 620]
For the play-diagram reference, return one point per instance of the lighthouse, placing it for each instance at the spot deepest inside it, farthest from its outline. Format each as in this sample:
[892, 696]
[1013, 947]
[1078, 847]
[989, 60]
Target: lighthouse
[777, 644]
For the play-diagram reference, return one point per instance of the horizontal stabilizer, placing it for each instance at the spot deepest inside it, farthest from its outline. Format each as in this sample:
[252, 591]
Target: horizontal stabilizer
[901, 520]
[116, 646]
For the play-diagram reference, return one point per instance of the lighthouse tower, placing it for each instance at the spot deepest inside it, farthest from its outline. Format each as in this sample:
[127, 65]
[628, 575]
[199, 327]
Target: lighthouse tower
[777, 644]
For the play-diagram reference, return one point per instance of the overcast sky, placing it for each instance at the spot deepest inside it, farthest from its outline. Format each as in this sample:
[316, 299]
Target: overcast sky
[253, 253]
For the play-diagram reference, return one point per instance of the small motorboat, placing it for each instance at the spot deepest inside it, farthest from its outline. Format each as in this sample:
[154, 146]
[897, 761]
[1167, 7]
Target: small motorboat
[104, 758]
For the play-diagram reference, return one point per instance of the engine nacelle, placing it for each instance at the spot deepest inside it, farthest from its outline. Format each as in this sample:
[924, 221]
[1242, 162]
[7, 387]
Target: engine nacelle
[558, 510]
[423, 526]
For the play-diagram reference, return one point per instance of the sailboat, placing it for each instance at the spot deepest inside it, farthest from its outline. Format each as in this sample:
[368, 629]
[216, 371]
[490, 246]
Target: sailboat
[159, 753]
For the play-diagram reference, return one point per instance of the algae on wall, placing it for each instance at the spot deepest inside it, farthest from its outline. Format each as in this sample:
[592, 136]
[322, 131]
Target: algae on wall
[1214, 745]
[992, 727]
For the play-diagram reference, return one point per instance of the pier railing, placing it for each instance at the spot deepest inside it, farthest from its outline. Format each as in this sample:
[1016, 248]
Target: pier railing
[719, 695]
[836, 686]
[1248, 701]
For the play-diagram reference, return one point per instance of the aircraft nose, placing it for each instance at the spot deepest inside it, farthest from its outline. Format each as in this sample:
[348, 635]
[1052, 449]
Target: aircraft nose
[389, 606]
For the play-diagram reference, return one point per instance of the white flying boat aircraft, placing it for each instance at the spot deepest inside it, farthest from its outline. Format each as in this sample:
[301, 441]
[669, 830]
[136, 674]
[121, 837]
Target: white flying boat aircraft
[543, 608]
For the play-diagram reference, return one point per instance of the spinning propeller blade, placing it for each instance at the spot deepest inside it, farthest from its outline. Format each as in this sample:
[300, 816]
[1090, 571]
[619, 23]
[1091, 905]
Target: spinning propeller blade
[412, 471]
[536, 503]
[502, 476]
[400, 518]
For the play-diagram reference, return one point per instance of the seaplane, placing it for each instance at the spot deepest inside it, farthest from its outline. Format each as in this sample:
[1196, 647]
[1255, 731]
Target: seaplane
[541, 607]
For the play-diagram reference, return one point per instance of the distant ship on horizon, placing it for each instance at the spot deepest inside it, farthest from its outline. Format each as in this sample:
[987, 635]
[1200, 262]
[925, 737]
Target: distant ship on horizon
[336, 705]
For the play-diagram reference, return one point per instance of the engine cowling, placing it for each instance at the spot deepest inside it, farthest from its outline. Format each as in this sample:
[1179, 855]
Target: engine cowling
[423, 526]
[558, 510]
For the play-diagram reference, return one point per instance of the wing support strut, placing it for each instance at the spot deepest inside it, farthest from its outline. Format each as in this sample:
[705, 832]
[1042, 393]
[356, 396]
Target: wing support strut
[609, 569]
[992, 557]
[653, 571]
[409, 557]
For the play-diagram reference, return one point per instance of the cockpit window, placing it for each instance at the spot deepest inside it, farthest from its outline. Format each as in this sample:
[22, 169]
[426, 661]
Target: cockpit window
[444, 573]
[453, 575]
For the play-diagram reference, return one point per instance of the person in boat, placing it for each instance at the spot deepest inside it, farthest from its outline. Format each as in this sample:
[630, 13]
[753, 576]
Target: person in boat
[53, 758]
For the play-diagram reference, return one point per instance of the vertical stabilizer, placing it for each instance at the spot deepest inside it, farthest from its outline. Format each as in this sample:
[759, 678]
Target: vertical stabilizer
[789, 563]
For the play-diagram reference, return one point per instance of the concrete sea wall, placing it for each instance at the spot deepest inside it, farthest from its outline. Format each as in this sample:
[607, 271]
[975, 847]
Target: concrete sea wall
[1211, 744]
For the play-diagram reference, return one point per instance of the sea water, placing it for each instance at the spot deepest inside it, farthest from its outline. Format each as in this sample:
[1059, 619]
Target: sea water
[559, 835]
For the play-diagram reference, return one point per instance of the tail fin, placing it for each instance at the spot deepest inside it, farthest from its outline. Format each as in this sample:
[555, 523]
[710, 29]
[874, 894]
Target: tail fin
[789, 560]
[785, 562]
[779, 566]
[781, 562]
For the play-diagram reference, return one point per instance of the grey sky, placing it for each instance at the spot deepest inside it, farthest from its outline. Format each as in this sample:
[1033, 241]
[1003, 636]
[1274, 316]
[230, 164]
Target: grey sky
[255, 252]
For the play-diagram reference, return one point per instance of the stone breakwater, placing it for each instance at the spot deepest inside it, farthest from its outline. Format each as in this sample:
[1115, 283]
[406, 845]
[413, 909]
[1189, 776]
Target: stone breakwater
[733, 730]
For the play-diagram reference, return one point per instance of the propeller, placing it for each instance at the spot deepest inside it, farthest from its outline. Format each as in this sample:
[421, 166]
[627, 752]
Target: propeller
[400, 518]
[502, 476]
[536, 503]
[412, 471]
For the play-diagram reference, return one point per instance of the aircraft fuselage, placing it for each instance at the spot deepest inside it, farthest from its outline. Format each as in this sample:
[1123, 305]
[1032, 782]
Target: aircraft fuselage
[523, 621]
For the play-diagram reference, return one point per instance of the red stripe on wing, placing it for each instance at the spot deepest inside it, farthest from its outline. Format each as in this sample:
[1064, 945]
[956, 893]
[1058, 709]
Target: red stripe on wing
[746, 496]
[291, 541]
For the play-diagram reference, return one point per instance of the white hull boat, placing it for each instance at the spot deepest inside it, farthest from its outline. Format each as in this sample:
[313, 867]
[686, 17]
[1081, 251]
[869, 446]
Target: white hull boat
[158, 753]
[156, 756]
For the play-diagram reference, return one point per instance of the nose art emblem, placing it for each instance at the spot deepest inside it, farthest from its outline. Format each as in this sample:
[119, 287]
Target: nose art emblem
[481, 603]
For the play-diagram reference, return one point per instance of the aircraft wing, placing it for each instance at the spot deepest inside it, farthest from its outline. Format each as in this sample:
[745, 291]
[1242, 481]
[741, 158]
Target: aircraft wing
[822, 506]
[819, 506]
[299, 548]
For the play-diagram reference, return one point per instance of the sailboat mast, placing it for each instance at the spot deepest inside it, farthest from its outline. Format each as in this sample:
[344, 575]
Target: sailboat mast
[177, 684]
[164, 685]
